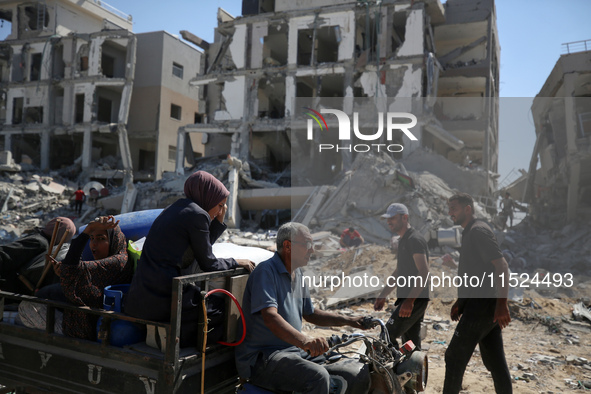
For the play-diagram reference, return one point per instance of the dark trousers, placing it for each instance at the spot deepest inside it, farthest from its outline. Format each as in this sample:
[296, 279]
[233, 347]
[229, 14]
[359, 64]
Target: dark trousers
[289, 370]
[78, 206]
[476, 327]
[352, 242]
[408, 328]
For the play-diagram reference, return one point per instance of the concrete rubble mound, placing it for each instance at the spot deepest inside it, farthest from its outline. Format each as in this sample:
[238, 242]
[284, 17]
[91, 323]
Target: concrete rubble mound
[363, 194]
[28, 200]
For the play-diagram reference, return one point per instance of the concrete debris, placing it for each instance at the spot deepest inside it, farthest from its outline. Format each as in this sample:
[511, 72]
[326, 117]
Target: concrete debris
[533, 247]
[29, 200]
[581, 312]
[349, 204]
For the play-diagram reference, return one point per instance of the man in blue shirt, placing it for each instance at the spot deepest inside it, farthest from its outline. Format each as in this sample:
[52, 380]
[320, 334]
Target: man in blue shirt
[275, 353]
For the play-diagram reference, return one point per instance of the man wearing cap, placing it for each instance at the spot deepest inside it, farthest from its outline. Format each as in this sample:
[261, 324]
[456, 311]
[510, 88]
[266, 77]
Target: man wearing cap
[411, 275]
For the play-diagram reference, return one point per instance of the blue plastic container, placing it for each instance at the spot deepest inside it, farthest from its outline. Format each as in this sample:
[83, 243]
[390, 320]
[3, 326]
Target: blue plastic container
[122, 332]
[134, 225]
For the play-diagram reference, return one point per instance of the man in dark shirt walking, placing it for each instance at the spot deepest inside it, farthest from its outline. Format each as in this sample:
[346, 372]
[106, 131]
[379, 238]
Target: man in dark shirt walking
[411, 275]
[482, 310]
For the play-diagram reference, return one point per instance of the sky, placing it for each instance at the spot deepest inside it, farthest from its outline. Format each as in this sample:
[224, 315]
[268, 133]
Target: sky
[531, 34]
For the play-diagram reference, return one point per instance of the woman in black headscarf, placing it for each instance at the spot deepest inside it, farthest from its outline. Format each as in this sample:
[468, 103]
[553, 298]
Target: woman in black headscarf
[82, 283]
[180, 243]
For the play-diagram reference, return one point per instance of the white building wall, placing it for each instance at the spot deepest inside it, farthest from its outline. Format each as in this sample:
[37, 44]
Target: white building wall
[414, 35]
[233, 94]
[238, 46]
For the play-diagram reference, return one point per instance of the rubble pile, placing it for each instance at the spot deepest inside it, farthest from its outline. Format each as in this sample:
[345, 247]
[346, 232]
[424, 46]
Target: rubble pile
[164, 192]
[564, 251]
[374, 182]
[28, 200]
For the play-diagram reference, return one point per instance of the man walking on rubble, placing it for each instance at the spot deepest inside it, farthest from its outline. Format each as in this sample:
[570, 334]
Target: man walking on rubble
[507, 208]
[482, 311]
[275, 354]
[79, 198]
[413, 255]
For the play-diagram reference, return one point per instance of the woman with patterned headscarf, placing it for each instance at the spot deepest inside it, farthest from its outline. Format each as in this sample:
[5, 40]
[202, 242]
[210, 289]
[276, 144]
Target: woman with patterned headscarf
[82, 283]
[180, 243]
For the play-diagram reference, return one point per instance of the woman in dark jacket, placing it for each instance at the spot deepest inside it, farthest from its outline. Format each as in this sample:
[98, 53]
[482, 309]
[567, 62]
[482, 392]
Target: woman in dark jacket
[82, 283]
[179, 243]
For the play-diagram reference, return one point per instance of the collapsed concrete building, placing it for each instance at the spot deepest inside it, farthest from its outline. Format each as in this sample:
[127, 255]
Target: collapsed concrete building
[560, 190]
[279, 51]
[71, 88]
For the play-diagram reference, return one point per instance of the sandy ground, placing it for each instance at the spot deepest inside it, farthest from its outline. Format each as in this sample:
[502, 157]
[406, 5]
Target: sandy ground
[547, 350]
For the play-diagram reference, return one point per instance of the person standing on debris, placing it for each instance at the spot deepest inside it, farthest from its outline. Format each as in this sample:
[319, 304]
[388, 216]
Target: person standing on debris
[179, 243]
[351, 238]
[82, 283]
[413, 257]
[79, 198]
[482, 311]
[275, 354]
[26, 255]
[507, 208]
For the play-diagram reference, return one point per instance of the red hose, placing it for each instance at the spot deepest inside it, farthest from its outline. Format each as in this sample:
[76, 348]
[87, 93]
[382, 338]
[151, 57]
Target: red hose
[226, 292]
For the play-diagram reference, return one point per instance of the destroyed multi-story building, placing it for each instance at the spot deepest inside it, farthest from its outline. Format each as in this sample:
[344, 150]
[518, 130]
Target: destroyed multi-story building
[67, 74]
[161, 102]
[560, 189]
[444, 54]
[72, 88]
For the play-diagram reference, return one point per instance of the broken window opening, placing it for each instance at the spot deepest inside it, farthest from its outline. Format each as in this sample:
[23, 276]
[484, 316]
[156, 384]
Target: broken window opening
[147, 160]
[2, 106]
[199, 118]
[327, 44]
[548, 132]
[62, 151]
[255, 7]
[35, 74]
[584, 125]
[33, 115]
[177, 70]
[84, 63]
[5, 58]
[305, 47]
[366, 36]
[271, 98]
[398, 32]
[175, 111]
[79, 109]
[106, 104]
[26, 148]
[320, 46]
[59, 66]
[58, 107]
[37, 17]
[266, 6]
[6, 23]
[305, 87]
[113, 59]
[171, 153]
[332, 86]
[275, 46]
[18, 68]
[108, 66]
[105, 108]
[17, 110]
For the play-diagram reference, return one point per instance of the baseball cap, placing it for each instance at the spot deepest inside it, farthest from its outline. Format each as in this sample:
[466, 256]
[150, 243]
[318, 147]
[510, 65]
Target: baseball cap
[395, 209]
